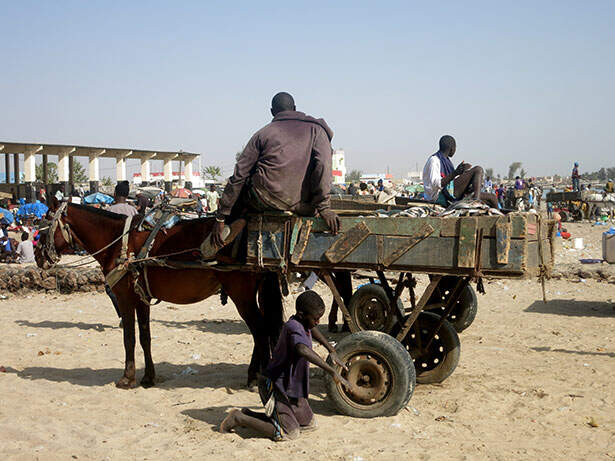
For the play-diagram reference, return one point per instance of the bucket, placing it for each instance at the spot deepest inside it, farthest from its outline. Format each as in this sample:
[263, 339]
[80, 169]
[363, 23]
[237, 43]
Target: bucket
[578, 243]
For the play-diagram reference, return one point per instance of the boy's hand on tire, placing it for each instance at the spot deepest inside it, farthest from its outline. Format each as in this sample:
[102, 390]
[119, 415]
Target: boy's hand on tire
[337, 361]
[339, 379]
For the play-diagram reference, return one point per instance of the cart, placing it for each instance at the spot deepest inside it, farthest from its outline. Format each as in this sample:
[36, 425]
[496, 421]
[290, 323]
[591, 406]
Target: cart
[391, 346]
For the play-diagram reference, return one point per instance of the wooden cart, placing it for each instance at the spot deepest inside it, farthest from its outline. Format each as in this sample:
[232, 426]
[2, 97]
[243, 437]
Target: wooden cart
[452, 250]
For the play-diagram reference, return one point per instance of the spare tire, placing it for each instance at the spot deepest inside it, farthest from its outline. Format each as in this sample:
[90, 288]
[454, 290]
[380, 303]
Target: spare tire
[464, 313]
[380, 369]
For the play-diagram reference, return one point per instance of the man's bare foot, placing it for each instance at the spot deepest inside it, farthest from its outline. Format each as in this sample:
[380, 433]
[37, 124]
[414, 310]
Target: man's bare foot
[230, 422]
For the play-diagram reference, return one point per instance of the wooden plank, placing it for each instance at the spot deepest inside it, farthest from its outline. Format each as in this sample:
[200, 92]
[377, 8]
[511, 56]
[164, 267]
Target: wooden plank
[297, 223]
[403, 226]
[346, 243]
[301, 245]
[466, 256]
[403, 245]
[503, 231]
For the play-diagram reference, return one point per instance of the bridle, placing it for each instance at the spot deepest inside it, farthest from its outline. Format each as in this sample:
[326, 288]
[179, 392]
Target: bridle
[49, 249]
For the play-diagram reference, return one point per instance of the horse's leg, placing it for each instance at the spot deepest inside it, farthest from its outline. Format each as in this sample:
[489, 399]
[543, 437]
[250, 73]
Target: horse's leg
[127, 300]
[242, 288]
[146, 343]
[128, 381]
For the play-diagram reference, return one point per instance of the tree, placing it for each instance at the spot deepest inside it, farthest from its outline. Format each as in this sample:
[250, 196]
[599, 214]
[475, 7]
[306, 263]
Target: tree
[212, 172]
[512, 169]
[522, 174]
[52, 173]
[106, 181]
[489, 173]
[354, 176]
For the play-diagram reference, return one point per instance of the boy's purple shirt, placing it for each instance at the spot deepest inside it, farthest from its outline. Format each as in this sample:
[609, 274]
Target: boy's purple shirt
[287, 368]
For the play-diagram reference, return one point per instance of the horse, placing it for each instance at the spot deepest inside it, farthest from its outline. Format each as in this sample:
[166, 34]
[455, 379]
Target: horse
[256, 295]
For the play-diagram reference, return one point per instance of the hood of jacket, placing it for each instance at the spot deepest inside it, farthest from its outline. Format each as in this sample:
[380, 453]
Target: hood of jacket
[300, 116]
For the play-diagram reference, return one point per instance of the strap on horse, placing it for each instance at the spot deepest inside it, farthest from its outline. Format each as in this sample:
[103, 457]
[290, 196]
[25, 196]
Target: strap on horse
[119, 271]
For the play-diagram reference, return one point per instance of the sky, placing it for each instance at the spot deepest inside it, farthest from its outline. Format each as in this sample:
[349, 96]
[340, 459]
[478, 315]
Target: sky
[532, 82]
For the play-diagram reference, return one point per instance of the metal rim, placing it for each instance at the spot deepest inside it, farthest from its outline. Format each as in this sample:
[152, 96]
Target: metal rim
[372, 377]
[372, 314]
[425, 360]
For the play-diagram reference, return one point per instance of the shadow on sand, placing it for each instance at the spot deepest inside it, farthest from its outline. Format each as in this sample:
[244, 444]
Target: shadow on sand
[168, 375]
[570, 351]
[573, 308]
[225, 326]
[61, 325]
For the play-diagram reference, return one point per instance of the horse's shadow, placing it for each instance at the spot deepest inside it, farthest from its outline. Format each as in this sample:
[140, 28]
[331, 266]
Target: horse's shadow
[61, 325]
[168, 375]
[222, 326]
[573, 308]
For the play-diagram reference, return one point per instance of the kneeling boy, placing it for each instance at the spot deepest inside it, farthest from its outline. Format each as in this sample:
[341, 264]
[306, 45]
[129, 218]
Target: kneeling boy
[284, 387]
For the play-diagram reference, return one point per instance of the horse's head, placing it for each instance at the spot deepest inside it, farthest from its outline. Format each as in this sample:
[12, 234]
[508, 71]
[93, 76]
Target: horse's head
[55, 238]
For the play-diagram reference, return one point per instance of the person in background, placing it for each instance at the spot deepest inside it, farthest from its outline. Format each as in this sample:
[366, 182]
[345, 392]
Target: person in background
[142, 203]
[488, 185]
[445, 184]
[352, 189]
[363, 189]
[576, 177]
[120, 206]
[380, 186]
[518, 183]
[501, 195]
[213, 199]
[608, 188]
[25, 250]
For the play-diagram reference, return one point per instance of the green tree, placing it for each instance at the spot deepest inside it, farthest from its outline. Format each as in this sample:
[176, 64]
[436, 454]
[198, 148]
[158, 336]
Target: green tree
[52, 172]
[523, 173]
[212, 172]
[106, 181]
[512, 169]
[489, 173]
[354, 176]
[79, 174]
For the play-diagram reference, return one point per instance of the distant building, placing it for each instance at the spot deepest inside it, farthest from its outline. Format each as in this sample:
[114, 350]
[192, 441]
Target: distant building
[413, 177]
[374, 177]
[338, 164]
[177, 179]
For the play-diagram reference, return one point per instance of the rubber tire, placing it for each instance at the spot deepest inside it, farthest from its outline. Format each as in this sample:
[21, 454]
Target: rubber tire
[400, 364]
[364, 294]
[465, 312]
[452, 346]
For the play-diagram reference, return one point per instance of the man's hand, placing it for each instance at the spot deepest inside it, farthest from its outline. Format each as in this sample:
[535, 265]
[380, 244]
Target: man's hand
[339, 379]
[336, 360]
[216, 234]
[332, 220]
[462, 168]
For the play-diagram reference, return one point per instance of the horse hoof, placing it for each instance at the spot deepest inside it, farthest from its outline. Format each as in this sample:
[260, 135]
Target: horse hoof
[126, 383]
[147, 382]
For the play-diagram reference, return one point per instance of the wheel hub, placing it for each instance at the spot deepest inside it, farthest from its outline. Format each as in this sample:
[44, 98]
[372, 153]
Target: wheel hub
[370, 377]
[372, 315]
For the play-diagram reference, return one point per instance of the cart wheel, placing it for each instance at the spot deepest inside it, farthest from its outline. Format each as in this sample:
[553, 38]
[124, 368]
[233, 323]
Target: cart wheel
[381, 372]
[464, 313]
[370, 309]
[440, 360]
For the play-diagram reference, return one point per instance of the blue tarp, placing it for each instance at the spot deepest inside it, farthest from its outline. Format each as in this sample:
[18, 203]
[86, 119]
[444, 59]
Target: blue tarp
[37, 209]
[98, 197]
[6, 216]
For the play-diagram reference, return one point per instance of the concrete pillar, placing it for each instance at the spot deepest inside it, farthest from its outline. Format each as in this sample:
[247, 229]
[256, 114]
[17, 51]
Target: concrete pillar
[120, 165]
[94, 170]
[168, 174]
[71, 174]
[45, 170]
[65, 170]
[30, 172]
[16, 169]
[188, 175]
[145, 172]
[7, 167]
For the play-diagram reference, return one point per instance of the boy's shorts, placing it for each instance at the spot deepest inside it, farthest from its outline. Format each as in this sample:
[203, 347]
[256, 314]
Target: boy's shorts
[287, 414]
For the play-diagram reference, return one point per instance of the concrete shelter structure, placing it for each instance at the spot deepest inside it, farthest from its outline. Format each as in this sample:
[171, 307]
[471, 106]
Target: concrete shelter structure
[24, 185]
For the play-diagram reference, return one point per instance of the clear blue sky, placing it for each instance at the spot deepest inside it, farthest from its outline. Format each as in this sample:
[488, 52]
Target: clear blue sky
[512, 81]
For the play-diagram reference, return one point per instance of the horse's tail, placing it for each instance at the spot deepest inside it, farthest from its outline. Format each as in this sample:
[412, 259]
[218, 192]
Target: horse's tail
[270, 302]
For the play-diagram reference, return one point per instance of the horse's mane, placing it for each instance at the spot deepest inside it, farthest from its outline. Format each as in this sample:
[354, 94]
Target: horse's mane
[99, 211]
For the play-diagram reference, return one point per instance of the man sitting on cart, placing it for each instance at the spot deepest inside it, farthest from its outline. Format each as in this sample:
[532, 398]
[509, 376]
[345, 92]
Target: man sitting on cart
[285, 166]
[445, 184]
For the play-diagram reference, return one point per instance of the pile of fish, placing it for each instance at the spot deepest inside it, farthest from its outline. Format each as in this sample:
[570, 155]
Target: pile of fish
[470, 207]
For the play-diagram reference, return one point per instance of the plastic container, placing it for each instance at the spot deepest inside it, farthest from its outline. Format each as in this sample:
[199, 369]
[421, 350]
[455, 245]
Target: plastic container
[608, 247]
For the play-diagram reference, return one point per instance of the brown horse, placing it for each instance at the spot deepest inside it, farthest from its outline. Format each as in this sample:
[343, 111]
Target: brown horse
[94, 229]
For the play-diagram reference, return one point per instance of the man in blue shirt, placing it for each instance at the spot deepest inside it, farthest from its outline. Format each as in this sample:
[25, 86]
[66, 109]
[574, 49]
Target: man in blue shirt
[284, 386]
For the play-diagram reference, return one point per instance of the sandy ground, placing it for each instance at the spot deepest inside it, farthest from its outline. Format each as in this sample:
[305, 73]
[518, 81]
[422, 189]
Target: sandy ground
[532, 381]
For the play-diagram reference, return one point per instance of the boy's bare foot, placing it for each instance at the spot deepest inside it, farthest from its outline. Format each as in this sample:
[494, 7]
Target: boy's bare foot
[230, 422]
